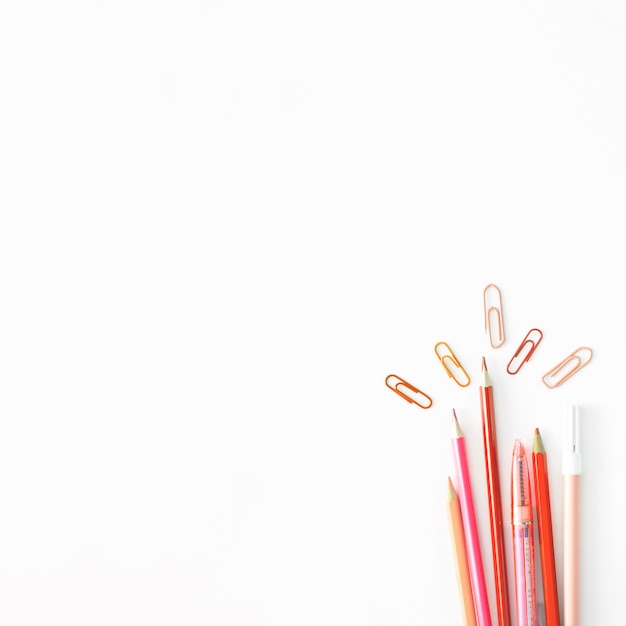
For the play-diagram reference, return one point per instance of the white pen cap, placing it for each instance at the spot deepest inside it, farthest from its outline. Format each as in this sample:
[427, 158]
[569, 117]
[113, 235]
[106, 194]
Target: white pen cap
[572, 460]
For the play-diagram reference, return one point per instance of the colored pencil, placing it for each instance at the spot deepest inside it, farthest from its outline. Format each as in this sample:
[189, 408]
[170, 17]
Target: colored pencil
[494, 498]
[470, 528]
[544, 527]
[460, 557]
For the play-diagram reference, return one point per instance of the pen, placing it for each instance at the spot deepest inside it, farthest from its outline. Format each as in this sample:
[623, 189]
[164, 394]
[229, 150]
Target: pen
[572, 465]
[523, 538]
[474, 558]
[495, 501]
[460, 557]
[544, 527]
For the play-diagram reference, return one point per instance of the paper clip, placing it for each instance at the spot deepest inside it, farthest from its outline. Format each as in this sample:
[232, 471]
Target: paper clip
[567, 367]
[455, 362]
[525, 350]
[494, 311]
[426, 401]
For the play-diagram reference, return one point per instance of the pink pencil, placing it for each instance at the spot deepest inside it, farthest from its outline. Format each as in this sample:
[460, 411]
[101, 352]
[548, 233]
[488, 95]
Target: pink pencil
[464, 488]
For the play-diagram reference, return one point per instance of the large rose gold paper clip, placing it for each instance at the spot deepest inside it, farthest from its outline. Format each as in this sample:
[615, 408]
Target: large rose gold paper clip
[447, 358]
[418, 397]
[494, 320]
[567, 367]
[525, 351]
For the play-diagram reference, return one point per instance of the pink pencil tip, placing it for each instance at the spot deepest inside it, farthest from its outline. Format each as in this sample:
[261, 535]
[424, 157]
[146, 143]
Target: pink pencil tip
[456, 426]
[484, 364]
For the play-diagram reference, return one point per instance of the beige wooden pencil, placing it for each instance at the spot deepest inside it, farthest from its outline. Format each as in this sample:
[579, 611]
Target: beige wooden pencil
[460, 557]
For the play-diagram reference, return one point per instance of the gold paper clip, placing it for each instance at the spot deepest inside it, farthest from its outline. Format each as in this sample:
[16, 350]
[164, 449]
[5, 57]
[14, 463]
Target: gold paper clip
[426, 401]
[458, 368]
[493, 311]
[567, 367]
[525, 350]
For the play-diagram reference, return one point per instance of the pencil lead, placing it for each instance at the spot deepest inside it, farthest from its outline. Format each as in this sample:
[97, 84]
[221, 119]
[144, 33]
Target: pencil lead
[451, 489]
[457, 427]
[486, 379]
[538, 443]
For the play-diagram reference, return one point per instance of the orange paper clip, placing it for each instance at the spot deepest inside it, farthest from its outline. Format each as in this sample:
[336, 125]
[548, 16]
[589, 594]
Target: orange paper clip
[457, 367]
[567, 367]
[525, 350]
[426, 401]
[494, 320]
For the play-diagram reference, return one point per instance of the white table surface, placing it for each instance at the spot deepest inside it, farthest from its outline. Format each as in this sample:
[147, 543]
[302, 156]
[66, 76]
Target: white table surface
[222, 225]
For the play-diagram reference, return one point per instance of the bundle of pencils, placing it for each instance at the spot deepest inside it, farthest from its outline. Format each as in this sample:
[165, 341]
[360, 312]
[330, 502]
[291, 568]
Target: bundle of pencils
[465, 537]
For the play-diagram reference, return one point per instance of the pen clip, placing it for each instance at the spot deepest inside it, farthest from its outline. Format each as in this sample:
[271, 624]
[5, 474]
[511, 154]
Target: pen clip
[572, 458]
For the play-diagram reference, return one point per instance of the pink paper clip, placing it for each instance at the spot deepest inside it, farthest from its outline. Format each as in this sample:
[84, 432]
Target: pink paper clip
[567, 367]
[525, 351]
[494, 320]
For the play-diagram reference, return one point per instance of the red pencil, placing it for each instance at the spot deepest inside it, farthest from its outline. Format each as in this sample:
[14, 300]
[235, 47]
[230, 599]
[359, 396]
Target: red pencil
[544, 526]
[495, 501]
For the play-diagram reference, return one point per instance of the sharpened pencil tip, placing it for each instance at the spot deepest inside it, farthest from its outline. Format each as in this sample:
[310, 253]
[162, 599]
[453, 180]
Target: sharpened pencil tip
[538, 443]
[457, 427]
[451, 489]
[486, 379]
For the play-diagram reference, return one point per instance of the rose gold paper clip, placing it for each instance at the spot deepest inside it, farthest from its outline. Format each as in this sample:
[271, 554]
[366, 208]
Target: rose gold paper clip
[494, 320]
[420, 398]
[464, 381]
[567, 367]
[525, 351]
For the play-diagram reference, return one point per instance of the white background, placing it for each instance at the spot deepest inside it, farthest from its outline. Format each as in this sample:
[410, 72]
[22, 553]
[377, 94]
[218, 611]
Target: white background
[222, 224]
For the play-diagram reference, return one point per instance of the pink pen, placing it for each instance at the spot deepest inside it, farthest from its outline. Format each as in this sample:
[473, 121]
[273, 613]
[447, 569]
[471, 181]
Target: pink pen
[523, 538]
[474, 558]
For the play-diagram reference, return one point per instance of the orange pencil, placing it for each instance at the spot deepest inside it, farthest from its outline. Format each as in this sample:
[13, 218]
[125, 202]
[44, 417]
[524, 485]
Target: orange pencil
[544, 526]
[460, 557]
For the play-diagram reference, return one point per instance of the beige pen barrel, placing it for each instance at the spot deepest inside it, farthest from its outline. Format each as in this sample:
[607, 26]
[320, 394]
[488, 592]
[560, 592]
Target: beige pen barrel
[571, 488]
[572, 466]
